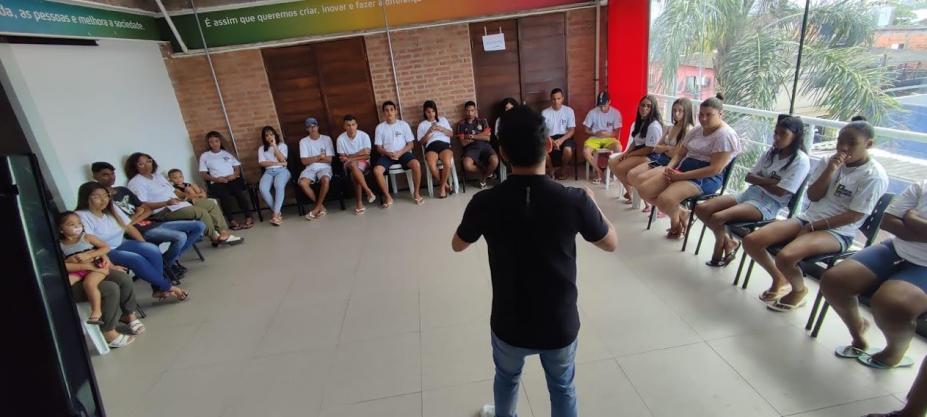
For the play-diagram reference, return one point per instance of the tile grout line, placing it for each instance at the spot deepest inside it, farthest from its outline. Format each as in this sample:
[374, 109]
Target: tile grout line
[633, 386]
[743, 378]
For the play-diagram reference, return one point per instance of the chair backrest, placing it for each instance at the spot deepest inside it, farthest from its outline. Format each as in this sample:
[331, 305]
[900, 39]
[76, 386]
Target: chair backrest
[726, 178]
[870, 227]
[796, 198]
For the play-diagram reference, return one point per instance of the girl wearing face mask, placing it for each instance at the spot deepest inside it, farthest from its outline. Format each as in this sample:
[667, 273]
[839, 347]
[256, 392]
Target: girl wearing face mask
[85, 259]
[696, 169]
[773, 181]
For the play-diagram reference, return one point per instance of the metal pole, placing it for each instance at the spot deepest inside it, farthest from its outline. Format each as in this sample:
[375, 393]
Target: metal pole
[801, 46]
[392, 61]
[212, 70]
[170, 23]
[598, 21]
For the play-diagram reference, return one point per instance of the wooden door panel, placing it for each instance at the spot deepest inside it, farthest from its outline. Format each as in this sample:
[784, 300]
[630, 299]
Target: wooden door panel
[543, 66]
[496, 73]
[344, 75]
[294, 83]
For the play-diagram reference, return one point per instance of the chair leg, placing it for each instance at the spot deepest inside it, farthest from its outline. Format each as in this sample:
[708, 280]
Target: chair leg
[700, 237]
[141, 313]
[653, 212]
[395, 187]
[685, 239]
[575, 166]
[456, 182]
[749, 272]
[199, 254]
[814, 310]
[341, 194]
[411, 184]
[740, 268]
[608, 177]
[428, 182]
[820, 322]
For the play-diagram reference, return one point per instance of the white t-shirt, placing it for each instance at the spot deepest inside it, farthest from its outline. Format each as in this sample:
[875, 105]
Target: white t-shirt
[218, 164]
[649, 138]
[598, 121]
[269, 156]
[156, 189]
[790, 178]
[851, 189]
[309, 148]
[348, 146]
[701, 147]
[913, 197]
[559, 121]
[105, 228]
[393, 137]
[437, 135]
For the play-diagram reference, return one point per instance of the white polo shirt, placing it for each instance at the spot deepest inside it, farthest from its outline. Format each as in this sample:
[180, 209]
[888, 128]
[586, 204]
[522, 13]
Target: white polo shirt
[348, 146]
[851, 189]
[436, 135]
[914, 197]
[393, 137]
[155, 189]
[597, 120]
[218, 164]
[790, 178]
[559, 121]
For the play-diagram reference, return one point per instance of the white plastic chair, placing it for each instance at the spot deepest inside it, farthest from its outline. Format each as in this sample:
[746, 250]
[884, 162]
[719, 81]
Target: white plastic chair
[395, 170]
[454, 182]
[608, 169]
[92, 332]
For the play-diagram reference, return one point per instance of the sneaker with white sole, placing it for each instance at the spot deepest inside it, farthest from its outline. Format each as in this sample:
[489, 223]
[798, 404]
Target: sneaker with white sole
[488, 411]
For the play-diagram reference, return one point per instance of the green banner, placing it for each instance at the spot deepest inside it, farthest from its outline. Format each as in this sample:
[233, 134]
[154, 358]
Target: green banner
[302, 18]
[46, 18]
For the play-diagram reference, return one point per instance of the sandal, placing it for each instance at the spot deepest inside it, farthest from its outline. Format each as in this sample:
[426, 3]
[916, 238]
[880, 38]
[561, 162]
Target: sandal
[371, 198]
[868, 360]
[596, 181]
[768, 296]
[849, 352]
[731, 256]
[781, 307]
[136, 327]
[233, 225]
[249, 223]
[97, 320]
[122, 340]
[387, 204]
[715, 263]
[359, 211]
[419, 200]
[627, 198]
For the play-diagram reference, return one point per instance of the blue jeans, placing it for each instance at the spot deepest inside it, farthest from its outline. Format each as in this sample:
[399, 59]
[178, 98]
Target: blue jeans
[144, 259]
[277, 177]
[181, 235]
[558, 369]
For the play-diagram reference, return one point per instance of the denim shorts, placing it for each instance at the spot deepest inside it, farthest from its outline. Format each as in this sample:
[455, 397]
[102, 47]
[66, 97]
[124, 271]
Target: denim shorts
[660, 159]
[844, 241]
[755, 197]
[884, 262]
[708, 185]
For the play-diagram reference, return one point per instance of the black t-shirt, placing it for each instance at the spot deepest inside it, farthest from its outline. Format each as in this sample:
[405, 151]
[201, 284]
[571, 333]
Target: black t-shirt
[127, 202]
[530, 225]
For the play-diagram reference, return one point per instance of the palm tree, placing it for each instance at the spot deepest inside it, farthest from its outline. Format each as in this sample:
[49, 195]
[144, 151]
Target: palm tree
[752, 46]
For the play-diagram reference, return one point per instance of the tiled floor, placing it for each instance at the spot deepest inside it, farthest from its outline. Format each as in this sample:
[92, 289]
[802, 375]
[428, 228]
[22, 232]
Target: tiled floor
[375, 316]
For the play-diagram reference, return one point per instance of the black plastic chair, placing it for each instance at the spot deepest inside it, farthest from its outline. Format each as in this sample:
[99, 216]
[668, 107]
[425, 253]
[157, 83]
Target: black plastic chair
[812, 266]
[691, 202]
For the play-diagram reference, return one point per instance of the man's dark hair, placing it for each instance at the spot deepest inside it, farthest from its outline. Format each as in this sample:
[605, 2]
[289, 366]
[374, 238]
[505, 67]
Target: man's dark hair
[349, 117]
[96, 167]
[387, 103]
[859, 118]
[555, 91]
[469, 103]
[523, 136]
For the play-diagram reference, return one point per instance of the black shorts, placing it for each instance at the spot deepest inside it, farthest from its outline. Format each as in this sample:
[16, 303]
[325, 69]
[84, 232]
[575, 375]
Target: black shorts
[556, 155]
[437, 146]
[479, 152]
[403, 160]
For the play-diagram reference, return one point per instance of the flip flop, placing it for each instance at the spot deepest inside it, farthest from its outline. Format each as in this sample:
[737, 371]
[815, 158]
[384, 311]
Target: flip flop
[715, 263]
[731, 256]
[248, 224]
[596, 181]
[310, 216]
[122, 340]
[768, 297]
[849, 352]
[419, 200]
[371, 198]
[359, 211]
[781, 307]
[868, 360]
[386, 205]
[136, 327]
[95, 320]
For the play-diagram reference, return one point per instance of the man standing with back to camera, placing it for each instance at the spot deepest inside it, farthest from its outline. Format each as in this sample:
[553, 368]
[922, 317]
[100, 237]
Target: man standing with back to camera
[530, 224]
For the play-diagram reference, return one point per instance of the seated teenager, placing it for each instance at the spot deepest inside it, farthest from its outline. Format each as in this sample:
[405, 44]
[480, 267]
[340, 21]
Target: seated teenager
[102, 220]
[697, 169]
[180, 235]
[895, 273]
[159, 195]
[222, 173]
[394, 141]
[775, 177]
[843, 190]
[272, 156]
[316, 152]
[602, 124]
[354, 153]
[646, 131]
[434, 134]
[665, 150]
[474, 134]
[561, 126]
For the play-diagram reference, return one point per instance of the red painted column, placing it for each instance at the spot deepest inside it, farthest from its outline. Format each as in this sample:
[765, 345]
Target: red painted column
[628, 45]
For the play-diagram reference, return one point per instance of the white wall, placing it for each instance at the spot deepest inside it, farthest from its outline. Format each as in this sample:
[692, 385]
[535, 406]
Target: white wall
[81, 104]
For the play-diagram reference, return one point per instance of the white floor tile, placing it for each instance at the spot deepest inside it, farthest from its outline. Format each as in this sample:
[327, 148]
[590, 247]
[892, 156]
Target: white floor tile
[374, 369]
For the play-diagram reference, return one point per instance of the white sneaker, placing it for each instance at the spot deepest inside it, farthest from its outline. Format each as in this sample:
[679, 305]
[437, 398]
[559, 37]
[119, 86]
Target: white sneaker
[488, 411]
